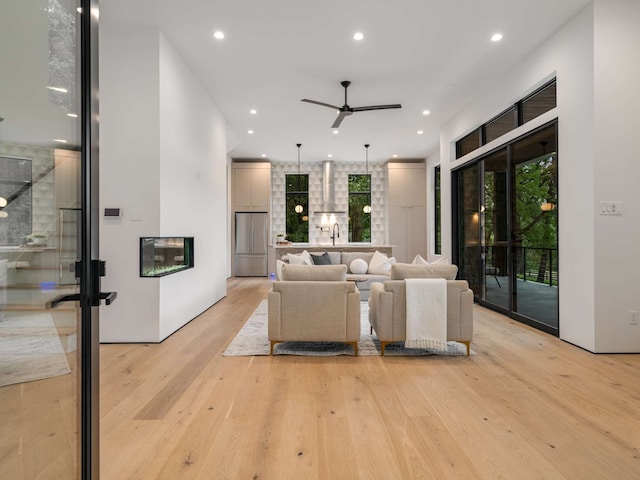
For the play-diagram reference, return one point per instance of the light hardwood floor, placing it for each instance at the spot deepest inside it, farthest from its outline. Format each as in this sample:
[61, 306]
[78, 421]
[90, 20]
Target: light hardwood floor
[526, 406]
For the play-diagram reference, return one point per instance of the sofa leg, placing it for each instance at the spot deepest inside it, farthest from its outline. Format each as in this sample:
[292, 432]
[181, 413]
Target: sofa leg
[355, 347]
[383, 344]
[468, 345]
[273, 342]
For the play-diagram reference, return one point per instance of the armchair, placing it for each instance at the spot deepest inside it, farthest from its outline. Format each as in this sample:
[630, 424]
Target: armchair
[387, 304]
[314, 304]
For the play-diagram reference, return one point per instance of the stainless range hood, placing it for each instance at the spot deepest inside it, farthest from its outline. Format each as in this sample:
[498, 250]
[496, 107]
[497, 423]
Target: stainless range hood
[328, 190]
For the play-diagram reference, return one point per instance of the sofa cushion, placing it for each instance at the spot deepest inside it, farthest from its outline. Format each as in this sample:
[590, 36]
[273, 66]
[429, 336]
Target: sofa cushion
[303, 258]
[322, 273]
[402, 271]
[348, 257]
[323, 259]
[380, 264]
[358, 266]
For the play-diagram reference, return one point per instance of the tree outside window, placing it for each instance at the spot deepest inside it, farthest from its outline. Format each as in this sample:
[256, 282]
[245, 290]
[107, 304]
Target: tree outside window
[359, 197]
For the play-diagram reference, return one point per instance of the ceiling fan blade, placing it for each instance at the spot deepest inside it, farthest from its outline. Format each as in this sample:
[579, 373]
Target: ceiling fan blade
[320, 103]
[376, 107]
[340, 117]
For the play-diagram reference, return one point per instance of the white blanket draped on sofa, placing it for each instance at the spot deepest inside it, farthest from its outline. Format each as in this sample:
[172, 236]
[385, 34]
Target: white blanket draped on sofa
[426, 313]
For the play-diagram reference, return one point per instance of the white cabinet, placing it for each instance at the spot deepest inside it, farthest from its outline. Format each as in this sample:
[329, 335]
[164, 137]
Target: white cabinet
[407, 197]
[251, 186]
[67, 178]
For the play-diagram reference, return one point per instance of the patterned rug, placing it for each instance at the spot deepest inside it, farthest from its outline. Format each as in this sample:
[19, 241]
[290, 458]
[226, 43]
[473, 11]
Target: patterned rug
[252, 339]
[30, 349]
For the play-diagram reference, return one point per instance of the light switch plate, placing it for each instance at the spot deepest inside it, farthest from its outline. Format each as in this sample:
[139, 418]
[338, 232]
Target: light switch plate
[610, 207]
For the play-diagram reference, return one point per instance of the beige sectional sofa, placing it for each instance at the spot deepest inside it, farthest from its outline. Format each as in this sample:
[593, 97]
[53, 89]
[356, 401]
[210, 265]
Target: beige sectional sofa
[313, 304]
[346, 258]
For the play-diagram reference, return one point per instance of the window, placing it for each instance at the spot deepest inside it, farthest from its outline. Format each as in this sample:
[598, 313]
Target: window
[297, 193]
[539, 102]
[359, 198]
[15, 205]
[530, 107]
[503, 123]
[468, 143]
[437, 216]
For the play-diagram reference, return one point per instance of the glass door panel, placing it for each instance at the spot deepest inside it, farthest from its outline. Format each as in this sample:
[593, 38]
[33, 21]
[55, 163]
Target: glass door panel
[495, 222]
[40, 205]
[468, 225]
[535, 228]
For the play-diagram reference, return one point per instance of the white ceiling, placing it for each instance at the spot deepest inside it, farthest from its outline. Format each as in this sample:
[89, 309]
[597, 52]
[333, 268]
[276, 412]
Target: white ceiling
[424, 54]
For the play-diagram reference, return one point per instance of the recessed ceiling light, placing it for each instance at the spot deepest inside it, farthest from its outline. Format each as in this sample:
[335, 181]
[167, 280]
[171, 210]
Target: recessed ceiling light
[250, 132]
[72, 115]
[395, 155]
[330, 155]
[358, 36]
[57, 89]
[336, 132]
[253, 111]
[496, 37]
[426, 112]
[264, 155]
[59, 140]
[420, 132]
[219, 35]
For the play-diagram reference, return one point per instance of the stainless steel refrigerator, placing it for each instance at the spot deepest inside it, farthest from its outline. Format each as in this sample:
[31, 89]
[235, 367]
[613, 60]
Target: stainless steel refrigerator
[251, 244]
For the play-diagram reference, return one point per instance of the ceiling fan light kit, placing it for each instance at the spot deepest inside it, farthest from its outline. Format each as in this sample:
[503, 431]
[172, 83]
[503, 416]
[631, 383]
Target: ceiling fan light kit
[346, 110]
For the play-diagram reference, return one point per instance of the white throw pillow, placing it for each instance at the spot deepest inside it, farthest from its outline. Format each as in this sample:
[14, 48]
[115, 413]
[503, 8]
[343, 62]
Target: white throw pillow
[380, 264]
[418, 260]
[359, 266]
[302, 259]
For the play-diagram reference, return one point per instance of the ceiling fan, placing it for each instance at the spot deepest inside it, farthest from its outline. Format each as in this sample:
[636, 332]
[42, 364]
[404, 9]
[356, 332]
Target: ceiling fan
[346, 110]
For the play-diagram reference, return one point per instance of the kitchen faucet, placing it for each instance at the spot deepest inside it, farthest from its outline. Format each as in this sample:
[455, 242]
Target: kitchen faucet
[333, 234]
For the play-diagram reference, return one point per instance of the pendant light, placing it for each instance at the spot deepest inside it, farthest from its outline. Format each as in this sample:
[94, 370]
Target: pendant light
[298, 208]
[367, 207]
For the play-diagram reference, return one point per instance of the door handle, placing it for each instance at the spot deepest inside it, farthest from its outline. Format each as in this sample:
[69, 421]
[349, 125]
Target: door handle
[98, 269]
[108, 297]
[74, 297]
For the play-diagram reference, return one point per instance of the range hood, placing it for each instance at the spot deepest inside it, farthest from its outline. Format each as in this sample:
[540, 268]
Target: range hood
[328, 190]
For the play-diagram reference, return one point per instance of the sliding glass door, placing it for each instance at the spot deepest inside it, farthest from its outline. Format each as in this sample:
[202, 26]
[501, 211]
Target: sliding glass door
[506, 225]
[495, 226]
[535, 228]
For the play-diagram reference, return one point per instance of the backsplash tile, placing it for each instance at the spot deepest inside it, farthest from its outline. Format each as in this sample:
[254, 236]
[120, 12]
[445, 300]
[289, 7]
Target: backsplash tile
[341, 176]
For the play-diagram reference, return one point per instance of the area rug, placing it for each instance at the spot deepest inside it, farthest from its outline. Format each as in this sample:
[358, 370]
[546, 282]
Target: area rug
[252, 339]
[30, 349]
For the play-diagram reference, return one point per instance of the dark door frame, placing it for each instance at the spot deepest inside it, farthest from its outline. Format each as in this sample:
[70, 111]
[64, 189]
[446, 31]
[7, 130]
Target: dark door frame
[455, 230]
[89, 281]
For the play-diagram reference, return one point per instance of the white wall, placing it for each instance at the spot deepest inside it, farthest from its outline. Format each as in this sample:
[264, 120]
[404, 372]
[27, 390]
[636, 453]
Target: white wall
[129, 177]
[617, 172]
[163, 152]
[569, 55]
[193, 190]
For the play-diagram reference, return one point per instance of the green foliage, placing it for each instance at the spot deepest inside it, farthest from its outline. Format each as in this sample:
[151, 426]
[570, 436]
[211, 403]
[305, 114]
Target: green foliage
[359, 196]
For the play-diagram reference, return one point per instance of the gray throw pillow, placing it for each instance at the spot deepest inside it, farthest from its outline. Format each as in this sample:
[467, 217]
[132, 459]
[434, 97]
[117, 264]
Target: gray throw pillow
[321, 259]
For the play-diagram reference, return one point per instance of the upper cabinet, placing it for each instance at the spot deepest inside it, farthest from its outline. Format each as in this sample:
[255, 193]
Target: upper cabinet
[252, 186]
[67, 178]
[407, 184]
[407, 196]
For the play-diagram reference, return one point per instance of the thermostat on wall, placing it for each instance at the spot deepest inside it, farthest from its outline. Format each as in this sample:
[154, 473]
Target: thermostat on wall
[112, 212]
